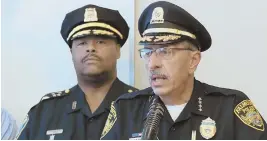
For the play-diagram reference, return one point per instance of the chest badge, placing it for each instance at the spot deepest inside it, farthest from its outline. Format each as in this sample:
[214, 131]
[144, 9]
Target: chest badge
[207, 128]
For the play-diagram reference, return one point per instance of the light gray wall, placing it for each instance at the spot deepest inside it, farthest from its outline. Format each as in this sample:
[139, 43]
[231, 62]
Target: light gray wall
[36, 60]
[238, 56]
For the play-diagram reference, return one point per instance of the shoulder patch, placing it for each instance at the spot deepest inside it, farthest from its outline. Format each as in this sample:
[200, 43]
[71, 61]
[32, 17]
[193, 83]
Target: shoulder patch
[24, 123]
[249, 115]
[112, 118]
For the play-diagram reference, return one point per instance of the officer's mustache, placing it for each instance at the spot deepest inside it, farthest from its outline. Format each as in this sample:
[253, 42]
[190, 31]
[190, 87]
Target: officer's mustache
[90, 56]
[157, 74]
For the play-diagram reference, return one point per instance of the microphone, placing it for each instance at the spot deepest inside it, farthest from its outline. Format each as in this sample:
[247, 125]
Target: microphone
[154, 117]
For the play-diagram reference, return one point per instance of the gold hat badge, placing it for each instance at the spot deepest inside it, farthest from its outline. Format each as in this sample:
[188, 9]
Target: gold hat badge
[90, 15]
[157, 15]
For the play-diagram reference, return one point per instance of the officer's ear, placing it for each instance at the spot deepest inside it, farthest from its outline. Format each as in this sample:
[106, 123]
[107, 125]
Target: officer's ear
[118, 49]
[71, 46]
[195, 56]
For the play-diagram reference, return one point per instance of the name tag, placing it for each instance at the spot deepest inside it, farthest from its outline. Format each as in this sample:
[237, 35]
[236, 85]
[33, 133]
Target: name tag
[136, 136]
[52, 133]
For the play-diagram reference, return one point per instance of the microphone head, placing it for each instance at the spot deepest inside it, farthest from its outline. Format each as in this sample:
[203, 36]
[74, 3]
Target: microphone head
[154, 116]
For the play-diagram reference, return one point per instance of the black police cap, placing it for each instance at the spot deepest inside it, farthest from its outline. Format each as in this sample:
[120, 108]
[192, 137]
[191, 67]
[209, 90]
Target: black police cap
[163, 23]
[92, 20]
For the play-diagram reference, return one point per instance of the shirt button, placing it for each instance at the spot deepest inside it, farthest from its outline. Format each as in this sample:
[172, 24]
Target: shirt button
[90, 120]
[173, 128]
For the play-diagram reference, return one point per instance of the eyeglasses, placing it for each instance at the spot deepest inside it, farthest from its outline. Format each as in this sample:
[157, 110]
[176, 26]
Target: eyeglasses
[164, 52]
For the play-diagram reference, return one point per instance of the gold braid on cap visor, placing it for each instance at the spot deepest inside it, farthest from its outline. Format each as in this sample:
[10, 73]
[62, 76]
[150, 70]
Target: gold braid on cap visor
[166, 30]
[93, 24]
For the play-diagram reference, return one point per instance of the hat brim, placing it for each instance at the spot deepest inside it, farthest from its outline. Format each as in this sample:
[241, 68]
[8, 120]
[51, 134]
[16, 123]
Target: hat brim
[168, 33]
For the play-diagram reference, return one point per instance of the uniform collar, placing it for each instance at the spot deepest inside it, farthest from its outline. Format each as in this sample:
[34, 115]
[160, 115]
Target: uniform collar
[195, 104]
[117, 89]
[77, 100]
[192, 107]
[199, 104]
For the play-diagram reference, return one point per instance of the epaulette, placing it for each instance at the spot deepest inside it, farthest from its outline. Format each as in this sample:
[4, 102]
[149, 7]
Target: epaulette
[145, 92]
[132, 89]
[55, 94]
[225, 91]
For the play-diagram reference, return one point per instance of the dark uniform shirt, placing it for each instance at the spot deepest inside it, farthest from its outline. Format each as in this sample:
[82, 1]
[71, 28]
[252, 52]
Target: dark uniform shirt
[66, 115]
[211, 113]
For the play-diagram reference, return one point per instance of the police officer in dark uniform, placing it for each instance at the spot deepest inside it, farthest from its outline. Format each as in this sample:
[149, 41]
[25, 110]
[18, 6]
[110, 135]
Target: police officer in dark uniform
[95, 36]
[173, 41]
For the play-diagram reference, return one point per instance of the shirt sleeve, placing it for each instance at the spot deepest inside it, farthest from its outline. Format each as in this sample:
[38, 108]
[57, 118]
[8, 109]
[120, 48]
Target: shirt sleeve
[8, 126]
[24, 130]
